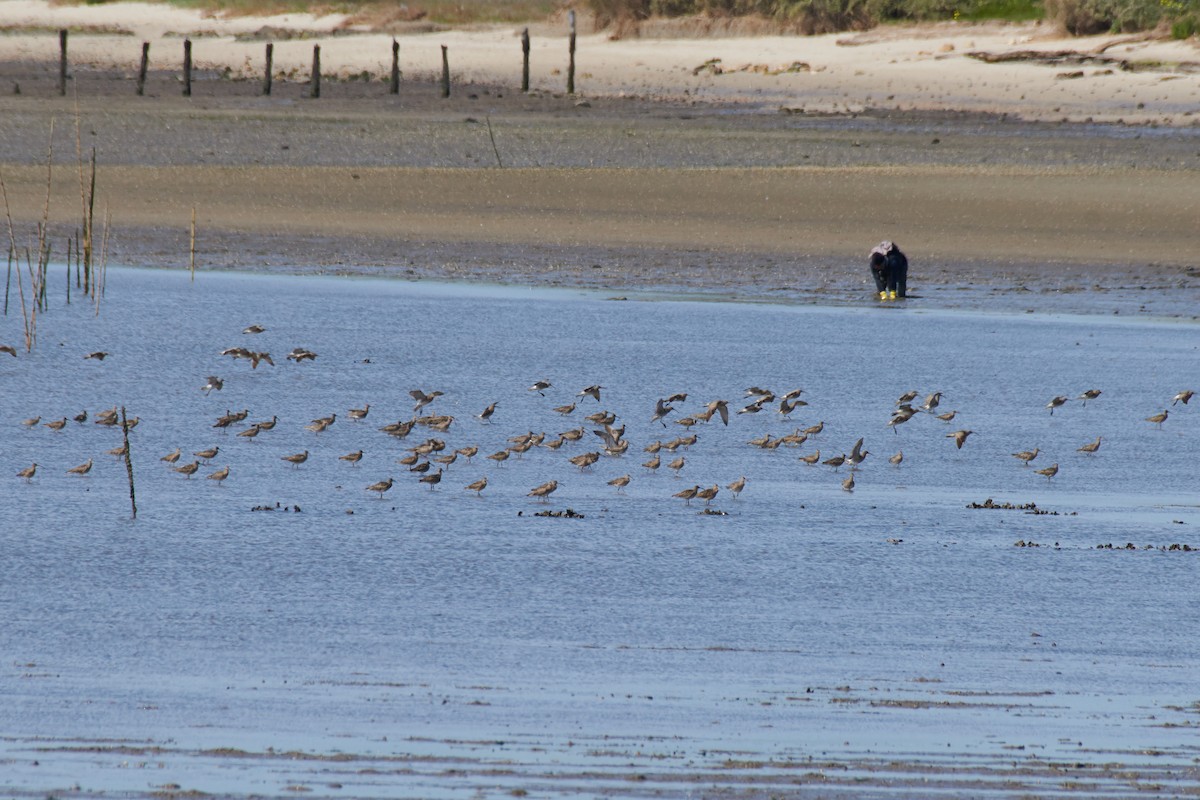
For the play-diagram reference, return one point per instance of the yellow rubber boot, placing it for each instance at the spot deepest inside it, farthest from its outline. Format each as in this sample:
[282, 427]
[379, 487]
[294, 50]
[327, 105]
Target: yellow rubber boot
[883, 296]
[891, 295]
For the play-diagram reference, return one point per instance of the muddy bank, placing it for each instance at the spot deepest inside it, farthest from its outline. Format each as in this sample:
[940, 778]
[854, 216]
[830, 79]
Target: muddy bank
[623, 194]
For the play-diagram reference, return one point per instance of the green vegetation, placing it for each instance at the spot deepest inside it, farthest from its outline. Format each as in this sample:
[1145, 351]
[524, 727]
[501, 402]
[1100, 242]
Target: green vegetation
[1181, 17]
[817, 16]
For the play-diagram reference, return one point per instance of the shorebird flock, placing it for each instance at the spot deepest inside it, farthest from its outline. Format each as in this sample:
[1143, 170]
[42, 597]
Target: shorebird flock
[573, 435]
[577, 439]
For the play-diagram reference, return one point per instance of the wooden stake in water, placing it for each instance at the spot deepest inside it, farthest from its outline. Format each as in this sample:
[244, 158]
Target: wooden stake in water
[495, 149]
[571, 50]
[192, 257]
[128, 461]
[315, 87]
[62, 62]
[187, 67]
[141, 84]
[445, 71]
[395, 88]
[270, 67]
[525, 60]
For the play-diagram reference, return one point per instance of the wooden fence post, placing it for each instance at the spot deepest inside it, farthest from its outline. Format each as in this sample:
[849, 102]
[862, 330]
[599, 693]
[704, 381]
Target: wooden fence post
[187, 67]
[141, 84]
[270, 68]
[445, 72]
[395, 89]
[571, 48]
[525, 60]
[62, 62]
[315, 86]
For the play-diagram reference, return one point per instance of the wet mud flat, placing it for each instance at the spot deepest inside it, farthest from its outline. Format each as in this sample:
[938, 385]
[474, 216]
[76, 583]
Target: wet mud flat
[622, 193]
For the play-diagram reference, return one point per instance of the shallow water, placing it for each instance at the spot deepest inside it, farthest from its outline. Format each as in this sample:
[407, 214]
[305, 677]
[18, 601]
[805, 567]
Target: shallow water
[435, 643]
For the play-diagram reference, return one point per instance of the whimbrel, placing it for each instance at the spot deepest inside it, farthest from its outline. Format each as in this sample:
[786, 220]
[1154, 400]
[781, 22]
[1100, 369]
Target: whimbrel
[677, 464]
[848, 484]
[500, 456]
[584, 460]
[433, 478]
[172, 457]
[211, 383]
[932, 401]
[948, 416]
[98, 355]
[737, 486]
[1090, 394]
[811, 458]
[661, 409]
[543, 491]
[486, 414]
[708, 494]
[897, 459]
[82, 469]
[835, 462]
[254, 329]
[813, 430]
[721, 407]
[219, 475]
[653, 463]
[1027, 455]
[959, 437]
[250, 432]
[352, 458]
[477, 487]
[296, 459]
[380, 487]
[423, 399]
[357, 414]
[620, 482]
[8, 348]
[1055, 402]
[207, 455]
[1158, 419]
[687, 494]
[188, 469]
[1049, 471]
[1090, 447]
[591, 391]
[56, 425]
[31, 422]
[28, 472]
[1182, 397]
[540, 387]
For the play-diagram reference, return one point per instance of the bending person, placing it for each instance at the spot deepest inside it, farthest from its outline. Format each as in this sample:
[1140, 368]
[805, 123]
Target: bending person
[889, 268]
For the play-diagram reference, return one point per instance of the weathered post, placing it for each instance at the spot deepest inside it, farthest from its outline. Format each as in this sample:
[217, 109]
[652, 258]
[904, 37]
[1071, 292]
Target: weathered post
[571, 49]
[314, 90]
[395, 88]
[141, 84]
[62, 62]
[270, 68]
[445, 72]
[525, 60]
[187, 67]
[128, 461]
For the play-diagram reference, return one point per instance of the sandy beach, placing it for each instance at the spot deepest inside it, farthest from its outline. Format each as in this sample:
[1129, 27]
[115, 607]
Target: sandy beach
[1006, 182]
